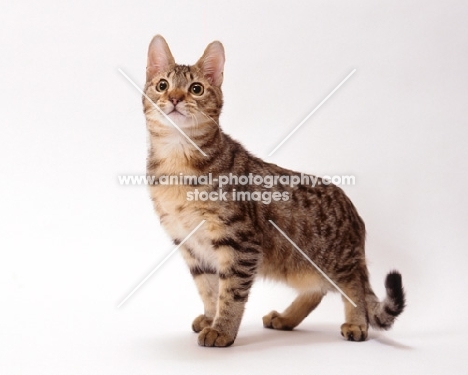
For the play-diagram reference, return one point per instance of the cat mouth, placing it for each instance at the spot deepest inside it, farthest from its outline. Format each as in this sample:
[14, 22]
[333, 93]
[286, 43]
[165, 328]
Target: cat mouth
[175, 113]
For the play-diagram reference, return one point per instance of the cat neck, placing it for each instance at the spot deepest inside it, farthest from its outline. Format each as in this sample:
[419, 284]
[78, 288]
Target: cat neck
[173, 151]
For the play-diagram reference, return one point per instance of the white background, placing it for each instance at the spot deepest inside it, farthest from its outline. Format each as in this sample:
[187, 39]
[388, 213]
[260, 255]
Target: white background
[74, 242]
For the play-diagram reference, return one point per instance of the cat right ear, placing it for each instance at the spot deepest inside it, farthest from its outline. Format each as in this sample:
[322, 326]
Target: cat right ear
[159, 57]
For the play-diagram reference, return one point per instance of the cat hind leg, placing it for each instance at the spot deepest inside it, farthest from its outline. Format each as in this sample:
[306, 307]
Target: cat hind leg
[299, 309]
[356, 320]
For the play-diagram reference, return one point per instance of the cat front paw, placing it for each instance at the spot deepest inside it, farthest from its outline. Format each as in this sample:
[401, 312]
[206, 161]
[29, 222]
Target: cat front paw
[201, 322]
[212, 337]
[354, 332]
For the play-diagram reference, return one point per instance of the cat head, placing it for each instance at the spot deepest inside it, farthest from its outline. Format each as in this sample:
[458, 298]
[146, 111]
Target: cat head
[189, 95]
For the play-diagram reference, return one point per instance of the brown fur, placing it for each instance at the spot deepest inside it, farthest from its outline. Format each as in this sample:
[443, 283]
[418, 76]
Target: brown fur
[237, 242]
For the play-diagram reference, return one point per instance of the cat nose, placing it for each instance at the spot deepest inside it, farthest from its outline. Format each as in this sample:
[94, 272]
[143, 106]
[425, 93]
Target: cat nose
[176, 97]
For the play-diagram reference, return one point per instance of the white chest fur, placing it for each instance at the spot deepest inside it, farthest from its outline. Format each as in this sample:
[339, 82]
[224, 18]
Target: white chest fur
[180, 217]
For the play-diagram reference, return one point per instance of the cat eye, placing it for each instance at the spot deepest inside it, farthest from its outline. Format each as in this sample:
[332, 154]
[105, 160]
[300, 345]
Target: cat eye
[162, 85]
[196, 89]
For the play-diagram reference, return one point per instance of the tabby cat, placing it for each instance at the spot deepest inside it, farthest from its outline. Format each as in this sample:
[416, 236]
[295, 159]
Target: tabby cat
[239, 239]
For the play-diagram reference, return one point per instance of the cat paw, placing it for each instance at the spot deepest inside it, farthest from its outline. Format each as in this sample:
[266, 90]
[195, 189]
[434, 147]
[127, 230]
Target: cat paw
[201, 322]
[212, 337]
[354, 332]
[274, 320]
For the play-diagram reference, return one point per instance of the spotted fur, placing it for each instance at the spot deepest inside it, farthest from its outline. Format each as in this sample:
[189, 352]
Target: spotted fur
[237, 242]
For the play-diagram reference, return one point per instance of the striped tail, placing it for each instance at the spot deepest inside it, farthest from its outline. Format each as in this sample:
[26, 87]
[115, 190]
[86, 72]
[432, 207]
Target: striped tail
[382, 315]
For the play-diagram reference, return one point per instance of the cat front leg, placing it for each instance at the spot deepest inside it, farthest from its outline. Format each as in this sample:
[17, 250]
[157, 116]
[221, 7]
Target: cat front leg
[207, 285]
[207, 281]
[237, 269]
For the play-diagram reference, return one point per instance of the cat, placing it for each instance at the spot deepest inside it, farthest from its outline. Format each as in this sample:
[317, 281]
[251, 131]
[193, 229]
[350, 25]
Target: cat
[239, 239]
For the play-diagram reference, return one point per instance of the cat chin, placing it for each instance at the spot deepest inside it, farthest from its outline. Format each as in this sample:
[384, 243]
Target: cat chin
[179, 119]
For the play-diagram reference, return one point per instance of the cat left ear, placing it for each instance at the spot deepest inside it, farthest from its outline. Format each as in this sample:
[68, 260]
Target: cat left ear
[160, 58]
[212, 63]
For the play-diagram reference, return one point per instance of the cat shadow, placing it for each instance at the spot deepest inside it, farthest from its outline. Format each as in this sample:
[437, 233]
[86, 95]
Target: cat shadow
[324, 334]
[388, 341]
[261, 339]
[183, 346]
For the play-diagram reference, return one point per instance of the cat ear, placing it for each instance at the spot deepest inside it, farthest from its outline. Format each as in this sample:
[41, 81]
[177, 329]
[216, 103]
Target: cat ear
[159, 57]
[212, 63]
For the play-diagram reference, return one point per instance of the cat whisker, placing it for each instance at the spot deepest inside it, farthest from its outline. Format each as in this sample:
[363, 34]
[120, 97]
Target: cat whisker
[209, 117]
[195, 121]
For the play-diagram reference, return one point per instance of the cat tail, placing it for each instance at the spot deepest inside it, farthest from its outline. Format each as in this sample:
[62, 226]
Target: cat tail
[382, 315]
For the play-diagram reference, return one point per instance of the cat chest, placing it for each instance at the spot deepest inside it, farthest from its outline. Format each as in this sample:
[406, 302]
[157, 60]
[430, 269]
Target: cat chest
[180, 216]
[173, 207]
